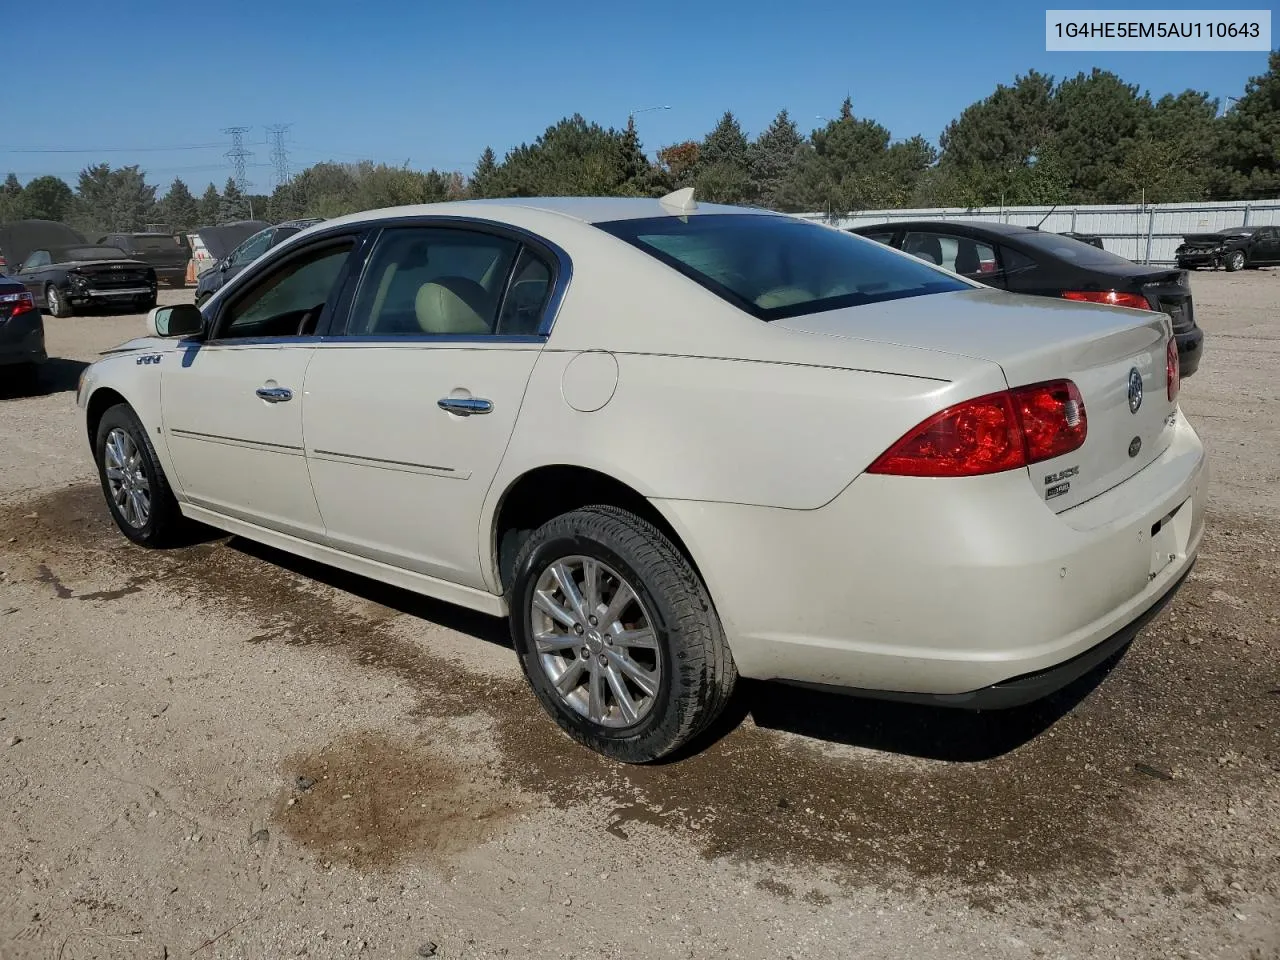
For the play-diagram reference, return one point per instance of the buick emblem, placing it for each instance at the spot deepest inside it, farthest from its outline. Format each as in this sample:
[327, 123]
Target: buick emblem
[1135, 390]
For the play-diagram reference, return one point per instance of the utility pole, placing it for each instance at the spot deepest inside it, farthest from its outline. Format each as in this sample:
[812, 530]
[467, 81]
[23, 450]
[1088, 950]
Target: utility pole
[238, 154]
[279, 154]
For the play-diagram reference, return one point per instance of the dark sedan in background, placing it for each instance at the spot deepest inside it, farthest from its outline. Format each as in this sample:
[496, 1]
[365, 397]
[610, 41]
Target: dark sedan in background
[1235, 249]
[62, 279]
[21, 335]
[1029, 261]
[211, 280]
[167, 253]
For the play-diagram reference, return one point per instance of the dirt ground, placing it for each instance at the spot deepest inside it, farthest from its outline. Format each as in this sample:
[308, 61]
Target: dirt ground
[222, 751]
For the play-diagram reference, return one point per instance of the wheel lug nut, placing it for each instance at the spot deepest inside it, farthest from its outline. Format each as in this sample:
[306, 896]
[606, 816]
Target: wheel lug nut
[577, 628]
[586, 654]
[603, 659]
[592, 620]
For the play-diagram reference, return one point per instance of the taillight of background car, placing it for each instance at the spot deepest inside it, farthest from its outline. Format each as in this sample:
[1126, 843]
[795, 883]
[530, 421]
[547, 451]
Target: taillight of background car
[15, 304]
[1114, 298]
[990, 434]
[1172, 369]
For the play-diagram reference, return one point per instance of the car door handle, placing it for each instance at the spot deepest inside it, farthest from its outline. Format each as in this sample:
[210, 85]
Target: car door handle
[465, 406]
[274, 394]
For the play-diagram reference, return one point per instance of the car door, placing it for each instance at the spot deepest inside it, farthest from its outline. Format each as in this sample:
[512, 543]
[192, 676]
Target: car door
[34, 273]
[409, 411]
[1267, 246]
[232, 403]
[968, 256]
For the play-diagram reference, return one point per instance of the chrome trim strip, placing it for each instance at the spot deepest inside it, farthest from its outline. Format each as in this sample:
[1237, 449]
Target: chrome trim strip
[118, 292]
[356, 460]
[237, 442]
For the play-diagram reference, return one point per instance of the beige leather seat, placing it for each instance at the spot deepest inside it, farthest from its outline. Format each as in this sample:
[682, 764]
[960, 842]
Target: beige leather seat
[452, 305]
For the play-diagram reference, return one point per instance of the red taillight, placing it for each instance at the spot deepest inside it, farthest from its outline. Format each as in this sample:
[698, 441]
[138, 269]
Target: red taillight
[21, 303]
[990, 434]
[1114, 298]
[1172, 369]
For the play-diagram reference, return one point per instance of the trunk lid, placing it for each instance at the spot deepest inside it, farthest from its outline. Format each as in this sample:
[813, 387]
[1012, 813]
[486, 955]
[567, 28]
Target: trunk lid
[1034, 339]
[106, 274]
[1170, 293]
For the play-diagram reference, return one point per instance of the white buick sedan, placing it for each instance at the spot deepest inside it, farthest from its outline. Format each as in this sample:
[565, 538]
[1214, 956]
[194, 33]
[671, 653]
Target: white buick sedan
[675, 444]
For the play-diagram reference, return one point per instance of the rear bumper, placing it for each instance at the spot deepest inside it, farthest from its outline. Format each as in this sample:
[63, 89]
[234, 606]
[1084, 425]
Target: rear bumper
[22, 340]
[1190, 349]
[944, 588]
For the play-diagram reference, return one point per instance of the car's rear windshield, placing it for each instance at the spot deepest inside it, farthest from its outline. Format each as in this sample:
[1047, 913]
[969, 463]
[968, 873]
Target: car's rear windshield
[775, 267]
[1072, 250]
[67, 254]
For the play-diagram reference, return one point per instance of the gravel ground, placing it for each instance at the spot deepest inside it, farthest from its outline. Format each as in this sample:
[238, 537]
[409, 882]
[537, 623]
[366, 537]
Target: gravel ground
[222, 751]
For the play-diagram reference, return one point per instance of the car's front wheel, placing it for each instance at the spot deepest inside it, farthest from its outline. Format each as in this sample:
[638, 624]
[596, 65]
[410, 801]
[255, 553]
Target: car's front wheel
[137, 492]
[617, 635]
[1236, 261]
[57, 302]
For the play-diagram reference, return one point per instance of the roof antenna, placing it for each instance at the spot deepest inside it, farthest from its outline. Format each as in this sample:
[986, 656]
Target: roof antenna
[1045, 217]
[680, 200]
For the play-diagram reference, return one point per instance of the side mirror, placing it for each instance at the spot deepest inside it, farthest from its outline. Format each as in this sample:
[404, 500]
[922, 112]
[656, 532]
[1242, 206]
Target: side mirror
[181, 320]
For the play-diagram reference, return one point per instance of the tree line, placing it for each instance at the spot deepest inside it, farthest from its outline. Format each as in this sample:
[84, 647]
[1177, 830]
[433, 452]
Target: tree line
[1091, 138]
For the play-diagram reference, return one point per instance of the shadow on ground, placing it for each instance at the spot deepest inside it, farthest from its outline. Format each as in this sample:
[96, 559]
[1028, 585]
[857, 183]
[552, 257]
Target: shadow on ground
[56, 375]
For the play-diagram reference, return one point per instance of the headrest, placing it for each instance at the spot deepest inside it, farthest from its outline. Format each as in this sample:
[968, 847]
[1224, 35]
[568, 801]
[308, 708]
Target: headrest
[451, 305]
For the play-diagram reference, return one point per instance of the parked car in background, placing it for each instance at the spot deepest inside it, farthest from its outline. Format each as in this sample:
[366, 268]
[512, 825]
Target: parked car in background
[212, 279]
[21, 334]
[675, 444]
[19, 237]
[63, 279]
[1025, 260]
[1235, 249]
[167, 253]
[211, 244]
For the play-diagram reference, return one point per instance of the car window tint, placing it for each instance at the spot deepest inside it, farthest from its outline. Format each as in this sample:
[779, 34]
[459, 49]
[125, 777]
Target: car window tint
[288, 300]
[251, 249]
[775, 266]
[958, 254]
[885, 238]
[1071, 250]
[1015, 260]
[40, 258]
[432, 281]
[526, 297]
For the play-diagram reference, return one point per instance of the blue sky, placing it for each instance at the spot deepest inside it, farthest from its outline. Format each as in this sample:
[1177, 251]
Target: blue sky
[434, 83]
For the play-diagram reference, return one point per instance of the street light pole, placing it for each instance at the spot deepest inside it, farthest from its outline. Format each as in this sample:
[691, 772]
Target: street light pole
[631, 117]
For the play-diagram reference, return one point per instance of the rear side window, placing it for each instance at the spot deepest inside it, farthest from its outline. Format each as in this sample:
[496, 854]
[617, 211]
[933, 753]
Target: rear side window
[885, 237]
[775, 267]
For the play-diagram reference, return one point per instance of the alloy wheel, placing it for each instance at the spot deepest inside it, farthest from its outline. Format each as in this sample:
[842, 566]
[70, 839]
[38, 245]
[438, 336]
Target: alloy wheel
[127, 478]
[595, 641]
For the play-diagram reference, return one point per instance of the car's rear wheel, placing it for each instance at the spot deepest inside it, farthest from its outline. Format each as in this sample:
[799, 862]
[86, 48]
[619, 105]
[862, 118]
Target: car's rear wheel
[137, 492]
[58, 304]
[1236, 261]
[617, 635]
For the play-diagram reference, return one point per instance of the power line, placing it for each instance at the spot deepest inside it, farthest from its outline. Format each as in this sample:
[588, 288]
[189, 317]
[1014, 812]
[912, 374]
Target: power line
[238, 154]
[182, 146]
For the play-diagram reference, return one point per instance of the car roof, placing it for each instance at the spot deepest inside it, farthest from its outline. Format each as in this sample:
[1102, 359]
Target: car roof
[583, 209]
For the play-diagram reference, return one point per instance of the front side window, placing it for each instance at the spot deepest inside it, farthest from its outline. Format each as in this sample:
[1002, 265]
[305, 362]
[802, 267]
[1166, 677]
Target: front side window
[775, 267]
[436, 281]
[38, 258]
[251, 249]
[289, 299]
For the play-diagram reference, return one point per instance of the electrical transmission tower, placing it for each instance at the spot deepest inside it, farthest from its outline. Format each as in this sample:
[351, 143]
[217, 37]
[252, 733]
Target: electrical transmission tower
[238, 154]
[279, 155]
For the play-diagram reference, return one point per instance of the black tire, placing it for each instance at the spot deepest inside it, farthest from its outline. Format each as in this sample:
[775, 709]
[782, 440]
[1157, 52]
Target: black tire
[56, 301]
[1236, 261]
[698, 674]
[165, 523]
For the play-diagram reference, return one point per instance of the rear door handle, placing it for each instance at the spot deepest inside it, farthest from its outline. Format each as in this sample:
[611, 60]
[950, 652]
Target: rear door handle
[274, 394]
[465, 406]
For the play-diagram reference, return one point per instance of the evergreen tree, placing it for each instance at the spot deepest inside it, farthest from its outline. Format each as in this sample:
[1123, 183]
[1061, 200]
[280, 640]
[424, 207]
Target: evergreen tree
[12, 189]
[210, 206]
[773, 159]
[119, 199]
[233, 205]
[484, 180]
[1251, 136]
[723, 173]
[47, 198]
[179, 209]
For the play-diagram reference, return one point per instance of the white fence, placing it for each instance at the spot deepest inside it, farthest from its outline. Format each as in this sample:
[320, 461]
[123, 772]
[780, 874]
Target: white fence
[1147, 234]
